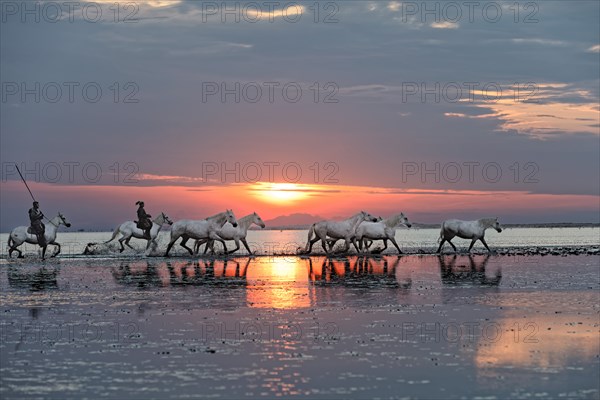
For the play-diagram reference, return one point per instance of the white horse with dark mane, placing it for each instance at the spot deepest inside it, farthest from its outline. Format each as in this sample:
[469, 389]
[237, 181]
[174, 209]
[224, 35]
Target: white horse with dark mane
[187, 229]
[20, 235]
[345, 229]
[474, 230]
[382, 230]
[129, 229]
[237, 234]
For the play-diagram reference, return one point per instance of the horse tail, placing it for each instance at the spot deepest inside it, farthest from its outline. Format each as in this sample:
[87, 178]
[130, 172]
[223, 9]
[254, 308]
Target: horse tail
[114, 235]
[441, 233]
[11, 241]
[311, 232]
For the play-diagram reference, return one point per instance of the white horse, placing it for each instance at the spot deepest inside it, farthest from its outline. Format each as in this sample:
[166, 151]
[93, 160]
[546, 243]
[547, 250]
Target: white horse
[200, 229]
[474, 230]
[129, 229]
[383, 230]
[228, 232]
[20, 234]
[345, 229]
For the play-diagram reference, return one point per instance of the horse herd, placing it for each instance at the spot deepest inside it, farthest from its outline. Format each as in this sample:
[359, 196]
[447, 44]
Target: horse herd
[360, 230]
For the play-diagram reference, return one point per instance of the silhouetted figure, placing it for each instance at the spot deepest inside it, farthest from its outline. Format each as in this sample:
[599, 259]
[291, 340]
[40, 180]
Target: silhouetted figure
[37, 226]
[143, 222]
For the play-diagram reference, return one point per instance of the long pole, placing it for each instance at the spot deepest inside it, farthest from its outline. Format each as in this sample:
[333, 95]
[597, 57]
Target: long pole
[26, 185]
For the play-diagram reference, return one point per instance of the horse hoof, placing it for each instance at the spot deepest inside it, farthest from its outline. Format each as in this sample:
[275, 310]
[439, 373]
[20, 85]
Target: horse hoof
[20, 256]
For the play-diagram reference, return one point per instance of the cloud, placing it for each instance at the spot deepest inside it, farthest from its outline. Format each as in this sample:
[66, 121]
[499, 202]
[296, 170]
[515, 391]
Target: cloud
[394, 6]
[594, 49]
[545, 42]
[445, 25]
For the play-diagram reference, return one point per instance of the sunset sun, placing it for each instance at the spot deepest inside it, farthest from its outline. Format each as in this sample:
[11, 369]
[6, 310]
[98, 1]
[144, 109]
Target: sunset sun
[279, 193]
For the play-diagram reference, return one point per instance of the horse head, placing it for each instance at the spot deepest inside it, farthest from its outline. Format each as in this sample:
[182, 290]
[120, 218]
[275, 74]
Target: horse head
[404, 220]
[166, 218]
[497, 225]
[365, 216]
[230, 217]
[258, 220]
[63, 220]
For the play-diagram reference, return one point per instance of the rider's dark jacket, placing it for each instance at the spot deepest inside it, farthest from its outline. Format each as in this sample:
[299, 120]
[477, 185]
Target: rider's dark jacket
[36, 217]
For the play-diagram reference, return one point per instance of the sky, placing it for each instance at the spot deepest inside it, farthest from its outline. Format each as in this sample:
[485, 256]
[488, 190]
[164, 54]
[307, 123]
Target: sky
[437, 109]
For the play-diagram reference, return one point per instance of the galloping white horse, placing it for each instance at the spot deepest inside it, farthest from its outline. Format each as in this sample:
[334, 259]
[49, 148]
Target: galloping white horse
[474, 230]
[200, 229]
[129, 229]
[345, 229]
[228, 232]
[384, 230]
[19, 235]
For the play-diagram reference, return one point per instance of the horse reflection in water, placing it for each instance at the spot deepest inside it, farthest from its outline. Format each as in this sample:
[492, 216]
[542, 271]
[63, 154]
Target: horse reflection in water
[201, 272]
[473, 274]
[360, 271]
[35, 280]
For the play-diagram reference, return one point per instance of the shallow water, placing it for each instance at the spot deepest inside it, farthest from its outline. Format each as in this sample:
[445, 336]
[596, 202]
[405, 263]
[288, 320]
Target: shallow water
[376, 327]
[287, 241]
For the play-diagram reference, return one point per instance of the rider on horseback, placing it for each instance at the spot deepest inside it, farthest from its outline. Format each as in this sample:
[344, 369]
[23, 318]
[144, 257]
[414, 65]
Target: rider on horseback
[37, 226]
[143, 222]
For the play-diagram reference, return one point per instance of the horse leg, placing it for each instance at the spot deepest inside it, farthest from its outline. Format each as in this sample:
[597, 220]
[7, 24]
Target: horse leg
[452, 244]
[485, 244]
[472, 243]
[441, 245]
[44, 252]
[393, 240]
[355, 245]
[183, 242]
[237, 246]
[311, 242]
[127, 243]
[381, 251]
[169, 246]
[225, 246]
[197, 245]
[245, 243]
[57, 252]
[347, 245]
[14, 248]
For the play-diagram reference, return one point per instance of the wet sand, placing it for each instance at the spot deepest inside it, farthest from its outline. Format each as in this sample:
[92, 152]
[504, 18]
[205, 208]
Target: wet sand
[416, 326]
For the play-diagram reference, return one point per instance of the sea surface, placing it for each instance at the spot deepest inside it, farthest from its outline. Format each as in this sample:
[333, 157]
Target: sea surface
[415, 326]
[288, 241]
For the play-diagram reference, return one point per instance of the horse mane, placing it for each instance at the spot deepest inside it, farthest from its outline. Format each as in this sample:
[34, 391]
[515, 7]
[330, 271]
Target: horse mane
[217, 216]
[246, 219]
[392, 221]
[487, 222]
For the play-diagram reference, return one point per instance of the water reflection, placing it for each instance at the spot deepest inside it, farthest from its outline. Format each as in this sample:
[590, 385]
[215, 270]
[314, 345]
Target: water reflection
[357, 271]
[546, 342]
[472, 273]
[35, 280]
[214, 272]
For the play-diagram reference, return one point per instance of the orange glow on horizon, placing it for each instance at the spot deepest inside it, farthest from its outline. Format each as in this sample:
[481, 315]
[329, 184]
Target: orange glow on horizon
[281, 193]
[271, 200]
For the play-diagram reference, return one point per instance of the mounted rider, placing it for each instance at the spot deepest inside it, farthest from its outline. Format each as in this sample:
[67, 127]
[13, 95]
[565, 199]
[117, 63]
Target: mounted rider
[144, 222]
[37, 226]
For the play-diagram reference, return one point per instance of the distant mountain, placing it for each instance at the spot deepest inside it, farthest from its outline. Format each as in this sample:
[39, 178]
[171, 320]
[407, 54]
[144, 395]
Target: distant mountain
[297, 221]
